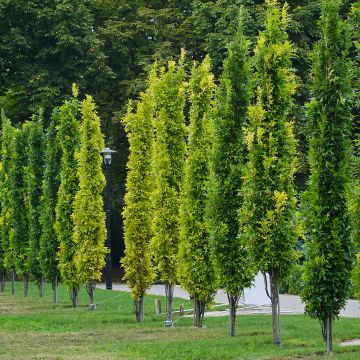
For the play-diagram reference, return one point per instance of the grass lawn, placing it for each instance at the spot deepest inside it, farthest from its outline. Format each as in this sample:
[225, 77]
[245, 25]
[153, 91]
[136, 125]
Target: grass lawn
[34, 328]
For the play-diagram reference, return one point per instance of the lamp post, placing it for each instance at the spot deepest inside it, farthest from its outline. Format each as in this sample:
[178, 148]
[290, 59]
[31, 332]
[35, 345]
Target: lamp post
[107, 154]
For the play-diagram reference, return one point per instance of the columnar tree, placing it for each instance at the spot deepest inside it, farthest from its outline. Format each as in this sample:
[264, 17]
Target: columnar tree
[232, 260]
[2, 269]
[329, 249]
[195, 269]
[8, 260]
[49, 243]
[137, 211]
[68, 136]
[88, 211]
[33, 180]
[20, 230]
[267, 216]
[167, 169]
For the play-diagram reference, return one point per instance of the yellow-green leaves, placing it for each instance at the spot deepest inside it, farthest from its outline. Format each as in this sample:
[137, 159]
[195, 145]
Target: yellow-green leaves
[227, 161]
[327, 282]
[137, 212]
[195, 268]
[68, 137]
[167, 167]
[88, 212]
[267, 217]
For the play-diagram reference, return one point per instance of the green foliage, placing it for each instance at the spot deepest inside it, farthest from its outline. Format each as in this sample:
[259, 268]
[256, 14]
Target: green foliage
[137, 211]
[356, 277]
[7, 139]
[329, 249]
[195, 270]
[292, 283]
[233, 96]
[267, 217]
[33, 180]
[60, 36]
[49, 243]
[88, 210]
[167, 167]
[68, 137]
[18, 200]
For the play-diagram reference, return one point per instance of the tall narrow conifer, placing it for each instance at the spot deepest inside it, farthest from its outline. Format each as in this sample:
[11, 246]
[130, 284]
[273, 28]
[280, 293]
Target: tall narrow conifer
[329, 249]
[137, 211]
[196, 272]
[232, 260]
[20, 227]
[8, 257]
[88, 211]
[33, 180]
[68, 136]
[267, 216]
[167, 169]
[49, 242]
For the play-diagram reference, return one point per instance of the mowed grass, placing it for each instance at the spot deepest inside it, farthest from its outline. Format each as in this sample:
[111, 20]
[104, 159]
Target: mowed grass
[34, 328]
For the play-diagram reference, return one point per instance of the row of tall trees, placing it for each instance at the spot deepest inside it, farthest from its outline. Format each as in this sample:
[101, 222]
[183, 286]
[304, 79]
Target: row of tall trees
[107, 47]
[216, 203]
[52, 218]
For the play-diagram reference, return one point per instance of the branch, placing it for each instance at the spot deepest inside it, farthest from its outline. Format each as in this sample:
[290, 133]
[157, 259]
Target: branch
[266, 285]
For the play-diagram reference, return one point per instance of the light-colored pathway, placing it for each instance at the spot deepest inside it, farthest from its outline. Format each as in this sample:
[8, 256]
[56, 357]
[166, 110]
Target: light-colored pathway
[290, 304]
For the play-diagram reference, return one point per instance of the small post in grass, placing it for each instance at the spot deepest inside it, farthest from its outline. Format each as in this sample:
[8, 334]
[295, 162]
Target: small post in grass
[157, 307]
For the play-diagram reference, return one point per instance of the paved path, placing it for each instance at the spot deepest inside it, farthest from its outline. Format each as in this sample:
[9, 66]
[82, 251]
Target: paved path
[290, 304]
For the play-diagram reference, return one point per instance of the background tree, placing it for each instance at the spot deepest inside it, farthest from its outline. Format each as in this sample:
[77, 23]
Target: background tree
[329, 249]
[167, 169]
[137, 210]
[267, 217]
[355, 193]
[88, 210]
[233, 263]
[49, 242]
[7, 138]
[195, 269]
[68, 137]
[34, 174]
[20, 223]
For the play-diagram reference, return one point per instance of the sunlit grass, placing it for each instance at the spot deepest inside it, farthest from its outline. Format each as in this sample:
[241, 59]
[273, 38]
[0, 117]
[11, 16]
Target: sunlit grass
[34, 328]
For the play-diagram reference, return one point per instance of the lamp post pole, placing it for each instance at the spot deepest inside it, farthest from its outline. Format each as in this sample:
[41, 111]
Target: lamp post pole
[107, 153]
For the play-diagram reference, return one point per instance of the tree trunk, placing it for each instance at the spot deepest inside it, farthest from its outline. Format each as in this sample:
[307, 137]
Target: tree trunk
[169, 291]
[199, 308]
[233, 302]
[55, 288]
[74, 296]
[41, 283]
[90, 287]
[275, 306]
[12, 278]
[26, 286]
[2, 281]
[327, 326]
[139, 309]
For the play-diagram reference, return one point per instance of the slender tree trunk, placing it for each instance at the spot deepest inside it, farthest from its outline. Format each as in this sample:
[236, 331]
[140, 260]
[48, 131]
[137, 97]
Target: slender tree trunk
[12, 279]
[275, 306]
[169, 291]
[90, 287]
[41, 284]
[2, 281]
[327, 326]
[233, 302]
[139, 309]
[199, 309]
[74, 292]
[55, 288]
[26, 286]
